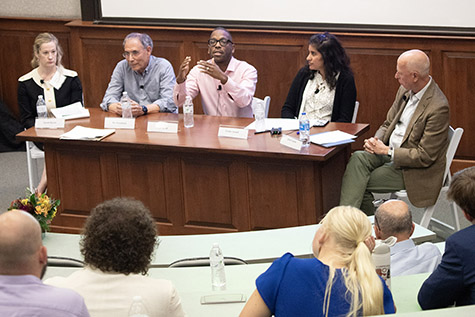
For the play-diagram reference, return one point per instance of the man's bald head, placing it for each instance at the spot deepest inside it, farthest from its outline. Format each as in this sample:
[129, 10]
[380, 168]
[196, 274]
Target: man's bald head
[416, 61]
[20, 243]
[393, 218]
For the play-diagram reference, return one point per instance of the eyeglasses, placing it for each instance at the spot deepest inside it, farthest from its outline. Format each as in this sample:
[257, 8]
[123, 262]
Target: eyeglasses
[133, 54]
[222, 42]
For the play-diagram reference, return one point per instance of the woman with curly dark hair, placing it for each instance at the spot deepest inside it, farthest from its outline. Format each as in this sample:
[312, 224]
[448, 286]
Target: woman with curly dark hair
[325, 88]
[117, 243]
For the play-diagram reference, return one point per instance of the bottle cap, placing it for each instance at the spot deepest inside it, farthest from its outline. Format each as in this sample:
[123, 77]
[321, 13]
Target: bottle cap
[216, 245]
[137, 298]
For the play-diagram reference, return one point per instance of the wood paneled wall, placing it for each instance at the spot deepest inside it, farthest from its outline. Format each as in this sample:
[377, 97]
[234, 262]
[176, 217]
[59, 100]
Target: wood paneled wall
[93, 51]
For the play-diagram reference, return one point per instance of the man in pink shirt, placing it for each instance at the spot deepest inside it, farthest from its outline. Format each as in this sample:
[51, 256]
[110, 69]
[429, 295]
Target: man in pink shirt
[226, 84]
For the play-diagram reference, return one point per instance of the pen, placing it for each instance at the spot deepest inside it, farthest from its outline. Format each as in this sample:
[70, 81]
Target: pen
[259, 132]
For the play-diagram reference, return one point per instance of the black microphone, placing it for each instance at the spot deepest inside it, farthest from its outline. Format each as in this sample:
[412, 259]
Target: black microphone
[219, 87]
[317, 91]
[141, 86]
[42, 81]
[404, 97]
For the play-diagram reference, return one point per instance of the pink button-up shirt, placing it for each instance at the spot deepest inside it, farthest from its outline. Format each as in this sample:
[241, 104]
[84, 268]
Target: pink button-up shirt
[232, 99]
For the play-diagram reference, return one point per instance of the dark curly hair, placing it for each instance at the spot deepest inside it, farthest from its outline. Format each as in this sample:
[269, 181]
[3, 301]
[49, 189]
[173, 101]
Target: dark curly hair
[119, 236]
[334, 56]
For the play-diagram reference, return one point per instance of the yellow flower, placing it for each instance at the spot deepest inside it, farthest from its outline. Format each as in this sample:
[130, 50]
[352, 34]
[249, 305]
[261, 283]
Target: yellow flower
[38, 210]
[24, 201]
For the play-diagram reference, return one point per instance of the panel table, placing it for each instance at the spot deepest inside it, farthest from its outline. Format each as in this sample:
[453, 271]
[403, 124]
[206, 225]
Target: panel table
[194, 181]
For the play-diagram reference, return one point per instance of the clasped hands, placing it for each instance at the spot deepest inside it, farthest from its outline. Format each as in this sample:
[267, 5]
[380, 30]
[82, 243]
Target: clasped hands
[116, 108]
[375, 146]
[208, 68]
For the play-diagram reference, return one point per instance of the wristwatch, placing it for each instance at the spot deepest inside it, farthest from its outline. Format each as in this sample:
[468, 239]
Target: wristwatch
[390, 151]
[144, 109]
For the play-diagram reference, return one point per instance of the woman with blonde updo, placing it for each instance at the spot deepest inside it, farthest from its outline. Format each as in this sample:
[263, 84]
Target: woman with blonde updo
[340, 281]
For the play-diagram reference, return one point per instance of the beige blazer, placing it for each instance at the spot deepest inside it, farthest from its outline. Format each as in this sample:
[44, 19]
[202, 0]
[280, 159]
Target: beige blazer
[423, 149]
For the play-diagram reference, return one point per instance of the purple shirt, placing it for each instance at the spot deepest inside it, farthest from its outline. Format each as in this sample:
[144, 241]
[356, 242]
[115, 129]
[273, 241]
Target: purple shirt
[232, 99]
[26, 295]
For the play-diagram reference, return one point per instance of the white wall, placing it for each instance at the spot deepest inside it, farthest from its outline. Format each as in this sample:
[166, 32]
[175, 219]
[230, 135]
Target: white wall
[60, 9]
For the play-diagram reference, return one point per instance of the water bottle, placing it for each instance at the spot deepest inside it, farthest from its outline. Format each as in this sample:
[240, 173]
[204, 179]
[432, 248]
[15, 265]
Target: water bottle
[260, 115]
[304, 130]
[126, 107]
[382, 262]
[41, 107]
[138, 309]
[216, 261]
[188, 112]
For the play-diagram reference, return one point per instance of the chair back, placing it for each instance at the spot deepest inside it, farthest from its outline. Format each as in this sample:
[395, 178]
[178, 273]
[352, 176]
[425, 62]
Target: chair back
[266, 101]
[64, 262]
[454, 139]
[355, 112]
[204, 261]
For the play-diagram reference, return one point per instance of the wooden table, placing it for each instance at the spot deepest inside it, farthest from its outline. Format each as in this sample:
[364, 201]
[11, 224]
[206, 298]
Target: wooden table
[193, 181]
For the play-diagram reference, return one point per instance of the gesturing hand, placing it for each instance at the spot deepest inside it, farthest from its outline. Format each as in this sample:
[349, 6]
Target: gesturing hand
[184, 69]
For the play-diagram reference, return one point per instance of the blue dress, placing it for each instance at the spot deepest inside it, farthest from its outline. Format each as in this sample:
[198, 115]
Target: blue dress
[296, 287]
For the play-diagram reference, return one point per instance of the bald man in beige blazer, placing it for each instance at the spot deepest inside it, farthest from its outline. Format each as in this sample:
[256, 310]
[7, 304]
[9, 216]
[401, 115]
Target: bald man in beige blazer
[408, 150]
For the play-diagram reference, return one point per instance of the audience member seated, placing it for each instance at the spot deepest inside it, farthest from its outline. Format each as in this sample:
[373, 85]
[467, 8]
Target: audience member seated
[148, 80]
[23, 261]
[453, 282]
[59, 86]
[117, 243]
[226, 85]
[393, 218]
[408, 150]
[325, 88]
[340, 281]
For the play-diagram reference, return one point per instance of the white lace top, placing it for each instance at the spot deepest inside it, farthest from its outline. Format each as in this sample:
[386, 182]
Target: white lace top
[317, 99]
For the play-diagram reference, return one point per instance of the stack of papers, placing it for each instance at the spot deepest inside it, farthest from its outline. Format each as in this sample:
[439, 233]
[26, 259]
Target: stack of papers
[73, 111]
[332, 138]
[83, 133]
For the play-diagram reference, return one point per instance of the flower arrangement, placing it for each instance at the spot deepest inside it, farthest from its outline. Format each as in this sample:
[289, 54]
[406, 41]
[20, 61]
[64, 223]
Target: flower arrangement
[42, 207]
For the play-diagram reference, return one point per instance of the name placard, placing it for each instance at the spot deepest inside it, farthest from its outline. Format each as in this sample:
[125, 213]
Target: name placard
[49, 123]
[230, 132]
[291, 142]
[119, 123]
[162, 126]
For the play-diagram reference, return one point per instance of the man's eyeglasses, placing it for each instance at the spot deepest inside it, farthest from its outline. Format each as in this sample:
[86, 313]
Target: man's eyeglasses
[222, 42]
[133, 53]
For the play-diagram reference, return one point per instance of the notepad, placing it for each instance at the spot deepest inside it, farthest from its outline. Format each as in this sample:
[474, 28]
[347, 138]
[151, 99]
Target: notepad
[332, 138]
[83, 133]
[73, 111]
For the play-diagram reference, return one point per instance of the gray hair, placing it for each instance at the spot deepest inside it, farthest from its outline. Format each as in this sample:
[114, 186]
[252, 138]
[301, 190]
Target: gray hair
[144, 38]
[393, 217]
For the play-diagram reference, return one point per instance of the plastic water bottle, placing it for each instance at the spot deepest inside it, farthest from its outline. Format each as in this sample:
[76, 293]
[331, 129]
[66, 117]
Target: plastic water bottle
[126, 107]
[41, 107]
[304, 130]
[138, 309]
[260, 115]
[382, 262]
[216, 261]
[188, 112]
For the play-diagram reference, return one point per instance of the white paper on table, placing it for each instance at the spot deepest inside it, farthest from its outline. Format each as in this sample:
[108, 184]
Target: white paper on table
[83, 133]
[73, 111]
[285, 124]
[332, 137]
